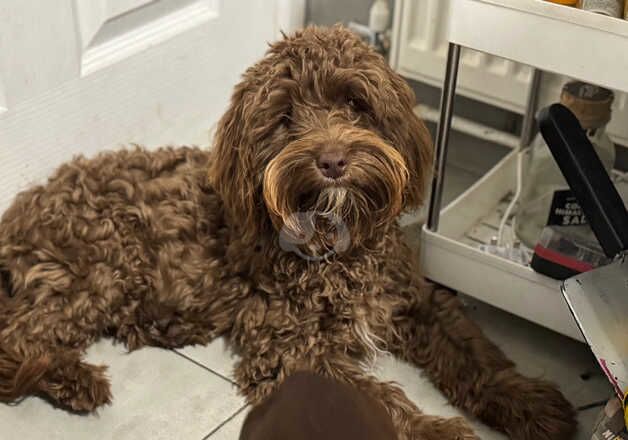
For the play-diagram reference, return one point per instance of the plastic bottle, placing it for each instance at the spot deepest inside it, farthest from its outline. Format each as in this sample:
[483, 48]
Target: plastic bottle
[542, 177]
[612, 8]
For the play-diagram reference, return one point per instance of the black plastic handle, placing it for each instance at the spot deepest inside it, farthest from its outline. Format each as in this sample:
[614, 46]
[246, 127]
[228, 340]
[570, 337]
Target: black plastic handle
[586, 176]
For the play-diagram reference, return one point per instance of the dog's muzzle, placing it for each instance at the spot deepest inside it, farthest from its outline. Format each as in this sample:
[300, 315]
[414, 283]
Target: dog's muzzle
[310, 188]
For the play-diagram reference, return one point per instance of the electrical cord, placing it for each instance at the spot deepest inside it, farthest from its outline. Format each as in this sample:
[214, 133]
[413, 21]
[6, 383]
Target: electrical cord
[513, 202]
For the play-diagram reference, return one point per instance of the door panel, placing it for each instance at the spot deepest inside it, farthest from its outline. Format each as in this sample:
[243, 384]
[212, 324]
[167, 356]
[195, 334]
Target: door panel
[115, 8]
[118, 29]
[160, 72]
[38, 47]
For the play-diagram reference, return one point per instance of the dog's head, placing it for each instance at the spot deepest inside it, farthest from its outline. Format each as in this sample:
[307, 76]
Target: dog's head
[319, 133]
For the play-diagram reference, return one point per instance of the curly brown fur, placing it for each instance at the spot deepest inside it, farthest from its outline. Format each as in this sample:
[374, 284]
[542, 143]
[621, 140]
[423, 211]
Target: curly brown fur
[139, 246]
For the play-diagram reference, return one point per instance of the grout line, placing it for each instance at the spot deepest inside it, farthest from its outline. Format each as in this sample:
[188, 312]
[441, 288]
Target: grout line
[217, 428]
[592, 405]
[205, 367]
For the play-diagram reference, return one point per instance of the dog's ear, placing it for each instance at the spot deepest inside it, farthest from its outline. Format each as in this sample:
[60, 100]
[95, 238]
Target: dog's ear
[413, 140]
[243, 146]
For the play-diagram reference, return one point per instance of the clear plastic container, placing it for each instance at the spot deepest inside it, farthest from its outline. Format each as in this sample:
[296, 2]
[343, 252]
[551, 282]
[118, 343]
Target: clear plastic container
[542, 177]
[562, 246]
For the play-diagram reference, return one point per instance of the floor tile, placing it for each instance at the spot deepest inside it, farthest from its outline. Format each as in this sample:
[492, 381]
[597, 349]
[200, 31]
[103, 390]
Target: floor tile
[421, 391]
[539, 352]
[230, 430]
[157, 395]
[542, 353]
[215, 356]
[586, 420]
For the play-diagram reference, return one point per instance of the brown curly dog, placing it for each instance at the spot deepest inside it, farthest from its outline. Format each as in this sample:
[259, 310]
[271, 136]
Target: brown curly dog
[291, 249]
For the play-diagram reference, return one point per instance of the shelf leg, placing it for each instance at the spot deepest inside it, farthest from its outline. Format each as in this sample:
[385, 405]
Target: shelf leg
[442, 134]
[529, 118]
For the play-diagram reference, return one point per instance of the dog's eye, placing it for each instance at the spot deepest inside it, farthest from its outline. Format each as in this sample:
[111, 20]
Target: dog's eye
[359, 106]
[286, 118]
[356, 104]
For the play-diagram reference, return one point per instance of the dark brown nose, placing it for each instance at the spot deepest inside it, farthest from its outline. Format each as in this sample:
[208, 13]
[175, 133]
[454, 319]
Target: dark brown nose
[332, 164]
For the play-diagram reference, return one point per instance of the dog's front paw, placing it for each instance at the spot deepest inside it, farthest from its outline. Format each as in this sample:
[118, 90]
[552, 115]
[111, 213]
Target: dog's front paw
[79, 387]
[530, 409]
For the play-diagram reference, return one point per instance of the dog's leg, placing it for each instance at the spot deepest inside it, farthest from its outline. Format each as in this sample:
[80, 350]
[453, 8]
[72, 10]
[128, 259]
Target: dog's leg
[169, 333]
[172, 324]
[42, 333]
[409, 421]
[74, 384]
[432, 331]
[60, 376]
[258, 377]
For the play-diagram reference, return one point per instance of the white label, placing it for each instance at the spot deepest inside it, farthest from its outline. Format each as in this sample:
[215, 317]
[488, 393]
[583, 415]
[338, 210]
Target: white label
[607, 7]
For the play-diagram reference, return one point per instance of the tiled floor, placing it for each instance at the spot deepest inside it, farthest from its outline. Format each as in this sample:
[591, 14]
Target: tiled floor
[161, 394]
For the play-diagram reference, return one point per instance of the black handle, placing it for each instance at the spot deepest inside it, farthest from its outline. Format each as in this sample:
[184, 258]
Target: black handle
[586, 176]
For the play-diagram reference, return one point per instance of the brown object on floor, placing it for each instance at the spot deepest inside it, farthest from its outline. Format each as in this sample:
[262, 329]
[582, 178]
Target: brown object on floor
[284, 238]
[311, 407]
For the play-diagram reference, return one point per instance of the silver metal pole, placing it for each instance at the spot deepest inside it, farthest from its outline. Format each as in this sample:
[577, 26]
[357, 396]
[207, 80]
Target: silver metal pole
[442, 134]
[529, 118]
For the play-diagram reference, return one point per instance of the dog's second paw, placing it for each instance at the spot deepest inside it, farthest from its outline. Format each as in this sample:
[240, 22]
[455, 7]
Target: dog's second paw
[532, 409]
[79, 387]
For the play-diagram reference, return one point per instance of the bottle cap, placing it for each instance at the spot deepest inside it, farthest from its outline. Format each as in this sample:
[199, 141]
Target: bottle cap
[590, 103]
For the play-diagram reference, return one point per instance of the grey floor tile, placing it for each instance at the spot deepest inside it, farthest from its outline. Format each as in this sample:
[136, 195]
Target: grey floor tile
[157, 395]
[544, 353]
[586, 420]
[539, 352]
[421, 391]
[157, 392]
[215, 356]
[230, 430]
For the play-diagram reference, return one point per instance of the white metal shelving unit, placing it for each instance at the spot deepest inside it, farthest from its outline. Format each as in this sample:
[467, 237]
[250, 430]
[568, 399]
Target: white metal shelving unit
[549, 37]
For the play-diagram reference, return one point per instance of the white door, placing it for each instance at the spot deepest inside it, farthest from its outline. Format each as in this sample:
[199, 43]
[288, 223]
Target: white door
[80, 76]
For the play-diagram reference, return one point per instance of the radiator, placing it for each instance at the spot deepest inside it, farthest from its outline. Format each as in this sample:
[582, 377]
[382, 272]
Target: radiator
[419, 52]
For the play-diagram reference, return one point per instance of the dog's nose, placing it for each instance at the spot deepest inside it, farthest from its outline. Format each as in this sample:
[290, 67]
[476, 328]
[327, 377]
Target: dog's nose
[332, 164]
